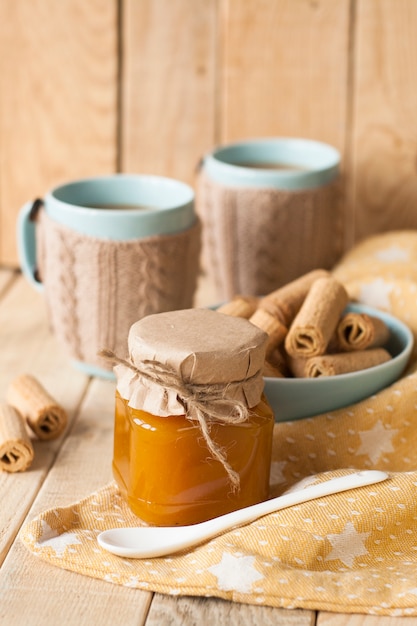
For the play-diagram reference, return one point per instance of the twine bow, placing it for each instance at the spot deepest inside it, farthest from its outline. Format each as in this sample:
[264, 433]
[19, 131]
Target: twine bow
[202, 403]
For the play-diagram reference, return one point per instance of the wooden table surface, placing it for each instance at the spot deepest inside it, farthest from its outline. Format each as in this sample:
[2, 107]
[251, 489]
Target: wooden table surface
[33, 592]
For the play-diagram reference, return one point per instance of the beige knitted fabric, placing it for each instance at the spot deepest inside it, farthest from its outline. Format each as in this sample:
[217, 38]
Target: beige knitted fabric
[255, 240]
[97, 288]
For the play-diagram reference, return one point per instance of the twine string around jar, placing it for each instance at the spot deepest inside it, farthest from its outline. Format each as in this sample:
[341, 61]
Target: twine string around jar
[205, 403]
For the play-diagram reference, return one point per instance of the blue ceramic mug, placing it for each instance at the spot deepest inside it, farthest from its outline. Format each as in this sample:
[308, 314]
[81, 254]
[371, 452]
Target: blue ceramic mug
[271, 211]
[107, 251]
[274, 163]
[118, 207]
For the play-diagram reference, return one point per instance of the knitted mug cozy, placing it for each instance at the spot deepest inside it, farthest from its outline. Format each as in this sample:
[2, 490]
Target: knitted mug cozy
[96, 289]
[257, 239]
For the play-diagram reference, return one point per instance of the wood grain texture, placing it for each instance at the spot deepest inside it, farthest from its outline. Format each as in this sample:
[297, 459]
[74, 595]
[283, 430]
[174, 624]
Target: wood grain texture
[88, 449]
[58, 99]
[384, 132]
[168, 85]
[177, 611]
[85, 601]
[27, 346]
[342, 71]
[194, 75]
[62, 597]
[284, 69]
[6, 279]
[337, 619]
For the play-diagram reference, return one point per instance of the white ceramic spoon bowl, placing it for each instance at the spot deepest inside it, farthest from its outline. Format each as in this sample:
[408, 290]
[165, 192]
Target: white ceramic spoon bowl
[154, 541]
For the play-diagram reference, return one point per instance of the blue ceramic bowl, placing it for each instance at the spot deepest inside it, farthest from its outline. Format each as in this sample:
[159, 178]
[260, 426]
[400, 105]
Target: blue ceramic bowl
[296, 398]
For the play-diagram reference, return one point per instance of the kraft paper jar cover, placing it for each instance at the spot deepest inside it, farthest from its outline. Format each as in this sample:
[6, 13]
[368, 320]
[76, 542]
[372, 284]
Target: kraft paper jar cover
[205, 347]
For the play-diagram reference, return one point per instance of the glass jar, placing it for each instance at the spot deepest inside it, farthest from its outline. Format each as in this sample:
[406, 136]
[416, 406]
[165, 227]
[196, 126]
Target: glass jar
[162, 463]
[162, 466]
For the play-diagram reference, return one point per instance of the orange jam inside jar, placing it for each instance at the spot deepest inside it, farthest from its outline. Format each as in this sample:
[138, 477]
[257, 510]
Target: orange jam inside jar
[162, 462]
[163, 467]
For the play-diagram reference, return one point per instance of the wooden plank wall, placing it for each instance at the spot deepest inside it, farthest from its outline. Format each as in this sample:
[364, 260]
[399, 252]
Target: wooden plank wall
[58, 99]
[151, 85]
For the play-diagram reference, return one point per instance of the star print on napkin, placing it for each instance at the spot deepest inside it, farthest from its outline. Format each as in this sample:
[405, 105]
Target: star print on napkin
[376, 441]
[57, 542]
[393, 253]
[320, 554]
[376, 293]
[347, 545]
[236, 573]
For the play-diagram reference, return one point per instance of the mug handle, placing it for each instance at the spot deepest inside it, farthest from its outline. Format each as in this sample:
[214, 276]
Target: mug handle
[26, 242]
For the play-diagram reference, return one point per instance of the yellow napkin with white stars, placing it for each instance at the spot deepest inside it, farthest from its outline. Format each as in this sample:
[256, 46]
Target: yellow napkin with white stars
[353, 552]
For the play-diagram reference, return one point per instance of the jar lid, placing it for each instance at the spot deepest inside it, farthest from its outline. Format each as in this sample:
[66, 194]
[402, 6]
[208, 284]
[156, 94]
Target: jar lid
[202, 348]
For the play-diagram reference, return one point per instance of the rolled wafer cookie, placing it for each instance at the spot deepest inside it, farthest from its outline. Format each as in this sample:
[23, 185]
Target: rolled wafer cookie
[278, 360]
[270, 371]
[297, 366]
[287, 300]
[43, 414]
[317, 319]
[240, 306]
[358, 331]
[16, 450]
[341, 363]
[275, 330]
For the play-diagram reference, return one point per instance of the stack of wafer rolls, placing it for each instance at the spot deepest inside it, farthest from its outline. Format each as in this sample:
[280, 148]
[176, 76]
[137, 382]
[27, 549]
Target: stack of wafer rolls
[28, 405]
[309, 332]
[46, 418]
[16, 450]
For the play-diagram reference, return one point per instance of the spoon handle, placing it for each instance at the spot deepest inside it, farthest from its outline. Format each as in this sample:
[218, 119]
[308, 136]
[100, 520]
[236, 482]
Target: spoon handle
[154, 541]
[328, 487]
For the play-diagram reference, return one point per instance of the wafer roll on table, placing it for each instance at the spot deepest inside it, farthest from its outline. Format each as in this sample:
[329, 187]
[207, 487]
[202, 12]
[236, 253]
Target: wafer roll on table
[341, 363]
[240, 306]
[43, 414]
[288, 299]
[317, 319]
[358, 331]
[16, 450]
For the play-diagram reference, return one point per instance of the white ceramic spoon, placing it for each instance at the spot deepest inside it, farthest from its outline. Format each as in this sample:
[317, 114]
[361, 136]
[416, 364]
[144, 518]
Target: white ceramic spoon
[151, 541]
